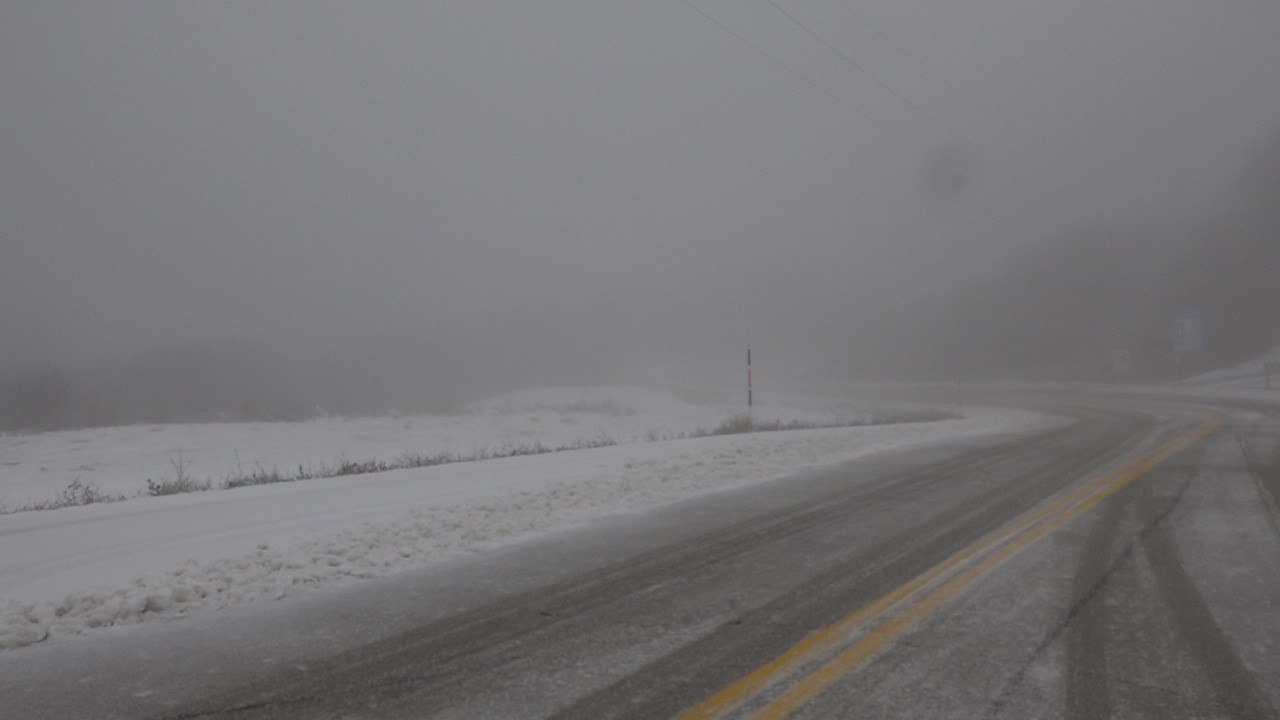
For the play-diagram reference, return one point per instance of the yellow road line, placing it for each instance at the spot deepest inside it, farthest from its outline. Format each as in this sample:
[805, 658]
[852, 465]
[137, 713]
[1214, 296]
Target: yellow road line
[820, 643]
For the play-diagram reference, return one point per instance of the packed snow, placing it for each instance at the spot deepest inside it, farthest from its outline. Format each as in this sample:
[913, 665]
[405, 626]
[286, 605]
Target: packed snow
[68, 571]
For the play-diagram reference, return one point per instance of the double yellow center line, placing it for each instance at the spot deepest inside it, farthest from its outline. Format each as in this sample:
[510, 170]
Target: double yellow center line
[849, 642]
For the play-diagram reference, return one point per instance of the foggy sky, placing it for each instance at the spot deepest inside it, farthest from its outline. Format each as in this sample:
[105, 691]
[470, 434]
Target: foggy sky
[597, 184]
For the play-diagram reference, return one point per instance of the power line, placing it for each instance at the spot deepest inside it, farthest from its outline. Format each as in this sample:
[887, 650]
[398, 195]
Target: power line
[795, 73]
[928, 68]
[857, 66]
[828, 94]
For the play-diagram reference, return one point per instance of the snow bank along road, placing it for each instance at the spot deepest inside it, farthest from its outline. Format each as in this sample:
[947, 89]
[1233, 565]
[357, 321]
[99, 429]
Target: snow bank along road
[1123, 564]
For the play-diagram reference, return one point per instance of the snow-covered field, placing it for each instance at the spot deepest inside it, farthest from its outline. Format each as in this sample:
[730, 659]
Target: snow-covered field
[66, 571]
[120, 460]
[1248, 375]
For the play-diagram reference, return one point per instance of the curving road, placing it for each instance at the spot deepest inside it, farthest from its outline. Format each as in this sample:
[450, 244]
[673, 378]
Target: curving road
[1124, 563]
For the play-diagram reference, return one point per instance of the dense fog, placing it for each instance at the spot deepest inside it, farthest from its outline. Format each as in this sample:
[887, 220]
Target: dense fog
[246, 210]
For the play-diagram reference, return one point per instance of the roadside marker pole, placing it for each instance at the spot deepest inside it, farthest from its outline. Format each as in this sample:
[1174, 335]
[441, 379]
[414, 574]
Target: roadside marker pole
[749, 388]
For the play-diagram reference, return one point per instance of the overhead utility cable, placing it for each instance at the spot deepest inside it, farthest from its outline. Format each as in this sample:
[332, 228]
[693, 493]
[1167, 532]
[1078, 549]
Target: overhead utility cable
[928, 68]
[1031, 181]
[857, 66]
[795, 73]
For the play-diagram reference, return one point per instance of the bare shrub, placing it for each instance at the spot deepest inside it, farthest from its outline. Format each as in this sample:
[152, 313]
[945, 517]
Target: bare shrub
[73, 495]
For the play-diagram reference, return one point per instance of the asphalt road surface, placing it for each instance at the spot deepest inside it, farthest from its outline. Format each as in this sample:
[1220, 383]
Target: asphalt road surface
[1122, 564]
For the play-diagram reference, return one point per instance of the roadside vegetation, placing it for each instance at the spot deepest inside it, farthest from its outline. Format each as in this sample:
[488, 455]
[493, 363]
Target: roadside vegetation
[81, 493]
